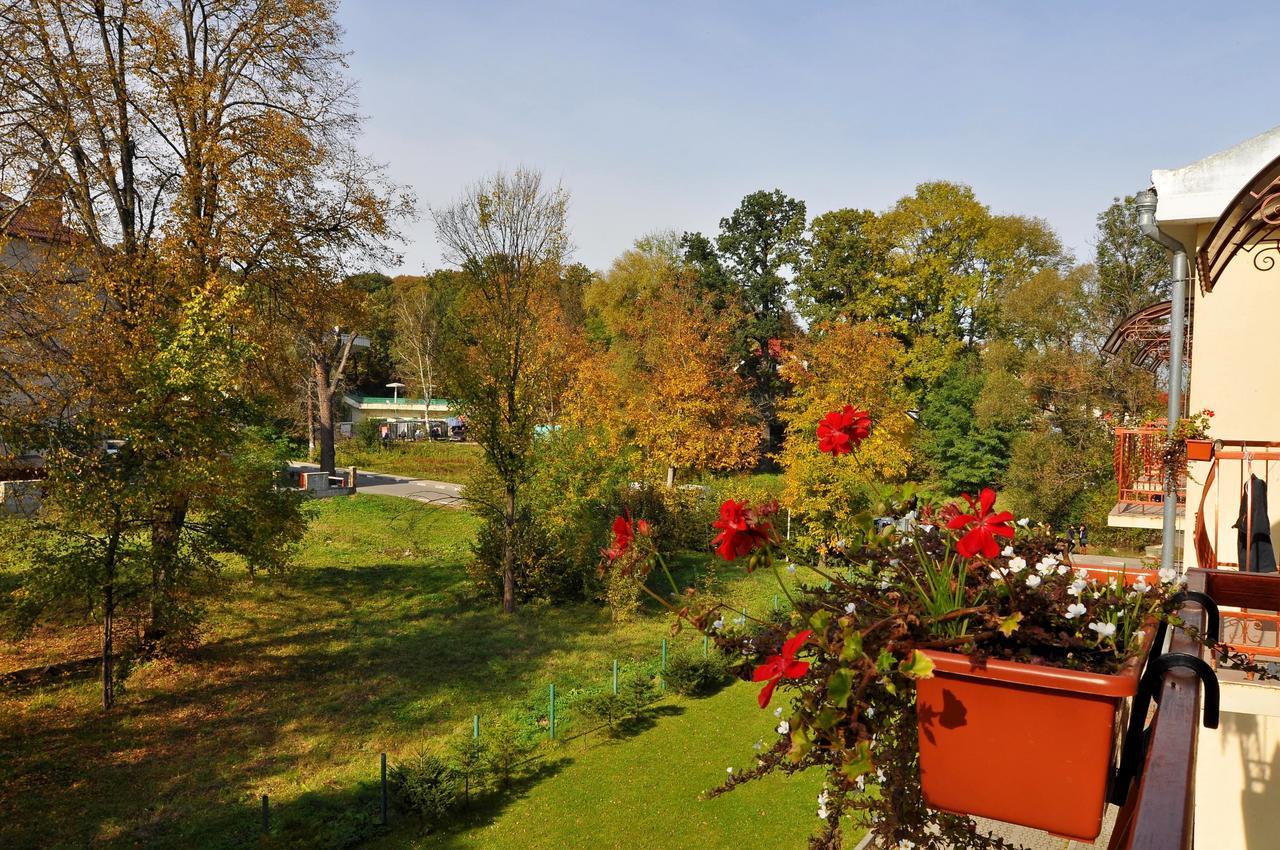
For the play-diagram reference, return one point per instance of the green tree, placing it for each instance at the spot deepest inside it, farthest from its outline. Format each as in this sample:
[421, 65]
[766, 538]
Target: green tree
[1133, 271]
[963, 452]
[841, 272]
[508, 236]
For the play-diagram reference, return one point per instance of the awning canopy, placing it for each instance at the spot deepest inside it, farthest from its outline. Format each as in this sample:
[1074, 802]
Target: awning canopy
[1145, 333]
[1249, 224]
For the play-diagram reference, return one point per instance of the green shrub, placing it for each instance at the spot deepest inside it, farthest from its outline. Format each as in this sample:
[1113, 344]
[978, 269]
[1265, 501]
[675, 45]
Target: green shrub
[470, 758]
[426, 786]
[368, 433]
[691, 675]
[508, 747]
[618, 712]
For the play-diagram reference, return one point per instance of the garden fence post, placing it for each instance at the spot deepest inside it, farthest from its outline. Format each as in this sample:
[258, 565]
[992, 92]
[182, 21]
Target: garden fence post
[384, 789]
[662, 679]
[706, 639]
[775, 602]
[615, 677]
[475, 726]
[788, 523]
[551, 714]
[266, 814]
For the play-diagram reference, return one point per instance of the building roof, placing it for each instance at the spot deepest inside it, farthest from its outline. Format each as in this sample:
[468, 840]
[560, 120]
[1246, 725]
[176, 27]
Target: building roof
[27, 225]
[358, 400]
[1201, 191]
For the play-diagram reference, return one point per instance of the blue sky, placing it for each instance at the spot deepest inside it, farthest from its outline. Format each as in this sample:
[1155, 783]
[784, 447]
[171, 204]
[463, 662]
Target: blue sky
[663, 115]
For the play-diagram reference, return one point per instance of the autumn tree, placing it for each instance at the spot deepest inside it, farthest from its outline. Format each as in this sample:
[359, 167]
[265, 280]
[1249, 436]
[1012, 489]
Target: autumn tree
[838, 363]
[758, 245]
[508, 236]
[203, 155]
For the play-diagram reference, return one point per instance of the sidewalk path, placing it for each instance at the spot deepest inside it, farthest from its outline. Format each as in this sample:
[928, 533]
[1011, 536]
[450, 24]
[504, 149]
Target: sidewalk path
[383, 484]
[1111, 562]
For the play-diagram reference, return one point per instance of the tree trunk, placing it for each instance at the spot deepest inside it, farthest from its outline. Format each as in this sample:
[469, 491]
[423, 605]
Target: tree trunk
[108, 616]
[166, 537]
[509, 554]
[324, 414]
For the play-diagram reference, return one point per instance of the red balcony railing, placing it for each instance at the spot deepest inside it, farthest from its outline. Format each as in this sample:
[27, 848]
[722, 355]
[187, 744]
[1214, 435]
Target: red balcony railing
[1139, 463]
[1235, 461]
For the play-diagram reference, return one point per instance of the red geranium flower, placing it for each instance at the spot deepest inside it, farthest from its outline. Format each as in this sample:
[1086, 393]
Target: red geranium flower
[624, 534]
[779, 667]
[841, 431]
[742, 530]
[986, 526]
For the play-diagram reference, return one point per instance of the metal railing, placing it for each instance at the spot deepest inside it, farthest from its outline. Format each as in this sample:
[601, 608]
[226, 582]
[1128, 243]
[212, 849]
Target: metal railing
[1139, 465]
[1244, 458]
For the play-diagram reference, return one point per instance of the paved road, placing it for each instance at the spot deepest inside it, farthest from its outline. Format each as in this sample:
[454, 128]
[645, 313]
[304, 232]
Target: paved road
[1108, 561]
[419, 489]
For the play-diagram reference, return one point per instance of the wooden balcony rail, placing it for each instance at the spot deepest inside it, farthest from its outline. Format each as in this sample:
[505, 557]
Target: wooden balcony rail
[1160, 813]
[1139, 466]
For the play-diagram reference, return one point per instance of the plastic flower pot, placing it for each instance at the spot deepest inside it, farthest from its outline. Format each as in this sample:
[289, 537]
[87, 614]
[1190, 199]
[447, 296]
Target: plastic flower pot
[1022, 743]
[1199, 449]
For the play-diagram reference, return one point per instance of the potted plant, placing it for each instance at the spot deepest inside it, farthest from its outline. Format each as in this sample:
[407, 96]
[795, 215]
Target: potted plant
[1191, 433]
[946, 664]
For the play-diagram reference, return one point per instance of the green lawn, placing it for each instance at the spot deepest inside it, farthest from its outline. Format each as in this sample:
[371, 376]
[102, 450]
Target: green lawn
[437, 461]
[375, 644]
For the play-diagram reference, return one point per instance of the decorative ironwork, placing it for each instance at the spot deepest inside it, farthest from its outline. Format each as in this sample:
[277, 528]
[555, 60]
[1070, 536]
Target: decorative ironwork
[1250, 223]
[1145, 334]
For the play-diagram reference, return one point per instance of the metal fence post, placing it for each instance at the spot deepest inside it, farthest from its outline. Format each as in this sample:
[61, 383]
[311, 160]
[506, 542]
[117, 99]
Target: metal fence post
[475, 726]
[706, 640]
[266, 814]
[384, 789]
[615, 677]
[663, 677]
[551, 725]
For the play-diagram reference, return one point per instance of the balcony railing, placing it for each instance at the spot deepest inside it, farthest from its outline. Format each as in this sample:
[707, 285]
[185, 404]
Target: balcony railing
[1160, 812]
[1235, 461]
[1139, 465]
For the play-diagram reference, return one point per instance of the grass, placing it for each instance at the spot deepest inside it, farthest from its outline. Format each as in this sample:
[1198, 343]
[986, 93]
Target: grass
[437, 461]
[375, 644]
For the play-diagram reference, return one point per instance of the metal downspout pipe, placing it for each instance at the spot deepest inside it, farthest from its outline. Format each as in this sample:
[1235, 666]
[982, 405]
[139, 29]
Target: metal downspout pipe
[1145, 203]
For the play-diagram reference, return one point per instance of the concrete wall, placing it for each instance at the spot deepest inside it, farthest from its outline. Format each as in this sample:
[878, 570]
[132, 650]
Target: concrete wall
[1238, 771]
[1232, 374]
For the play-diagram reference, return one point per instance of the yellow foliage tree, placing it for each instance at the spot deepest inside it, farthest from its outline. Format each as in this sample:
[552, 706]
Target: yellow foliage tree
[839, 363]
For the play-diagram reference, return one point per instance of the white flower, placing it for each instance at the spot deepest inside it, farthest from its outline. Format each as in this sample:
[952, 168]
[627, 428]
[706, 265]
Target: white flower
[1075, 609]
[1017, 565]
[1063, 569]
[1008, 552]
[904, 844]
[758, 746]
[893, 562]
[1024, 522]
[884, 584]
[729, 771]
[784, 727]
[880, 777]
[1082, 573]
[850, 607]
[860, 783]
[1104, 630]
[1077, 587]
[791, 569]
[822, 803]
[1168, 575]
[718, 624]
[998, 573]
[1033, 580]
[871, 712]
[777, 712]
[1141, 584]
[739, 620]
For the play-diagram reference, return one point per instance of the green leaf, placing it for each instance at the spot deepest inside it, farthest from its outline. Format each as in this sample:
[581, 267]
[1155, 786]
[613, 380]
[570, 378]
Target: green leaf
[917, 665]
[852, 649]
[860, 763]
[839, 685]
[884, 661]
[827, 718]
[819, 621]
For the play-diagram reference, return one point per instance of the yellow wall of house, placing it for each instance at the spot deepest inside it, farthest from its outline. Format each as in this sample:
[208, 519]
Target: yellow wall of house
[1238, 771]
[1232, 365]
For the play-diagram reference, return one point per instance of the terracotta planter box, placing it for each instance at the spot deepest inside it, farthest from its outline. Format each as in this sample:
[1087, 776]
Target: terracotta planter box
[1022, 743]
[1199, 449]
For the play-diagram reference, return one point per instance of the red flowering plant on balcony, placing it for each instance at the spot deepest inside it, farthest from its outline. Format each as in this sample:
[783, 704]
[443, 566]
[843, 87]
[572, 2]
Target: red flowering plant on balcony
[839, 669]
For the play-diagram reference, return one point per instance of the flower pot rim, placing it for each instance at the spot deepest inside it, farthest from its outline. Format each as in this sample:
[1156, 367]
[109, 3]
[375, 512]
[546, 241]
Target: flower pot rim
[1112, 685]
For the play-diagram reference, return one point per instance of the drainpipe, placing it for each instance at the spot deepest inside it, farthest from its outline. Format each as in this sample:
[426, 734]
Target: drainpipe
[1145, 203]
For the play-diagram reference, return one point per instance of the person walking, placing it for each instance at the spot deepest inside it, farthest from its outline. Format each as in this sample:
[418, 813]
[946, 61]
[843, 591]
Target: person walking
[1084, 537]
[1071, 539]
